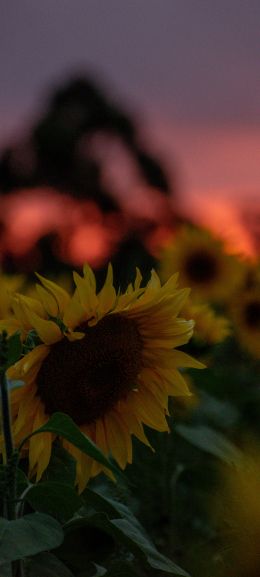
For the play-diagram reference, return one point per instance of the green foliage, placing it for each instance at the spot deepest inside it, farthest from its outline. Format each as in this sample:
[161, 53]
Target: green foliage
[21, 480]
[6, 570]
[46, 565]
[62, 466]
[159, 518]
[63, 426]
[57, 499]
[29, 535]
[213, 442]
[14, 349]
[117, 520]
[10, 350]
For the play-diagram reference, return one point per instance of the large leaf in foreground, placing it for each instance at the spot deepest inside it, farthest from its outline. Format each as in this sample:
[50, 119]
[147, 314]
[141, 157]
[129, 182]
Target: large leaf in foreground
[62, 466]
[27, 536]
[118, 521]
[63, 426]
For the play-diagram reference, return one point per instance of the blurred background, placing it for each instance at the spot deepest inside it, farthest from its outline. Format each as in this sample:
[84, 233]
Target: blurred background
[120, 120]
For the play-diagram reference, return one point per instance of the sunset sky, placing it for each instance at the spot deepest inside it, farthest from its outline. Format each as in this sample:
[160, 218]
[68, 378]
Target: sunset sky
[188, 69]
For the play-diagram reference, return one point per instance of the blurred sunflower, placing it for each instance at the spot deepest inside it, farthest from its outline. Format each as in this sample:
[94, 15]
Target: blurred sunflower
[8, 286]
[237, 510]
[252, 274]
[203, 264]
[106, 359]
[210, 327]
[245, 314]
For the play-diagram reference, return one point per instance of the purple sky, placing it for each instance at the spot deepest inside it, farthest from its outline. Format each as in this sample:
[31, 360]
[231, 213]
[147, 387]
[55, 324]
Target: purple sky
[181, 64]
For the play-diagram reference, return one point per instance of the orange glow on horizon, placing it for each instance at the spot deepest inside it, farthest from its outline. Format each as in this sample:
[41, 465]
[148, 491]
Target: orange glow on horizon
[85, 234]
[224, 217]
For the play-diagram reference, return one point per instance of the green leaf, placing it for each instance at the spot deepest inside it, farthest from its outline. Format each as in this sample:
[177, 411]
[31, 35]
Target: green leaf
[27, 536]
[84, 544]
[122, 568]
[62, 425]
[211, 441]
[22, 481]
[57, 499]
[62, 466]
[117, 519]
[14, 349]
[133, 537]
[137, 541]
[219, 413]
[100, 571]
[46, 565]
[104, 504]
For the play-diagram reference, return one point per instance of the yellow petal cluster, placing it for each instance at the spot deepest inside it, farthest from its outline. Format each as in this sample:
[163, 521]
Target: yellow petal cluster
[58, 317]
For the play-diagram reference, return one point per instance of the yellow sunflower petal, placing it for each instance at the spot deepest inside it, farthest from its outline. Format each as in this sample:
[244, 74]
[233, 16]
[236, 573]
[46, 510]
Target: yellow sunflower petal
[10, 325]
[19, 370]
[101, 439]
[61, 296]
[149, 411]
[48, 331]
[32, 304]
[138, 279]
[20, 313]
[74, 336]
[48, 300]
[45, 455]
[87, 295]
[107, 295]
[115, 439]
[26, 410]
[181, 359]
[89, 275]
[74, 313]
[37, 448]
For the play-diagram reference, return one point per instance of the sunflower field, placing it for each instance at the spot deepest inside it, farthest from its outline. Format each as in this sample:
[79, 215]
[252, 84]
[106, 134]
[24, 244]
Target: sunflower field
[130, 382]
[120, 457]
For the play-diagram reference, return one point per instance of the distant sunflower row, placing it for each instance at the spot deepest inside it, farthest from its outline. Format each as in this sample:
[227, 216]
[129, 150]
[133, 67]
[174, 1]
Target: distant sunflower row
[225, 288]
[109, 359]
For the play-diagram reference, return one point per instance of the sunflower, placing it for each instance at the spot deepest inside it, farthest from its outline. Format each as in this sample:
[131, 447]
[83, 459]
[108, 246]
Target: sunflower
[237, 512]
[107, 360]
[8, 285]
[203, 264]
[210, 327]
[245, 314]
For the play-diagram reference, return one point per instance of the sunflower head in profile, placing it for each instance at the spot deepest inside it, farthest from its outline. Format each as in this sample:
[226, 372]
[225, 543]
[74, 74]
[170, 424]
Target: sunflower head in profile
[210, 328]
[245, 315]
[107, 360]
[203, 264]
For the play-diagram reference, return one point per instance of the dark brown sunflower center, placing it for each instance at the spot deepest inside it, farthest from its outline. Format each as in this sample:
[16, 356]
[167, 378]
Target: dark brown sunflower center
[201, 267]
[85, 378]
[252, 315]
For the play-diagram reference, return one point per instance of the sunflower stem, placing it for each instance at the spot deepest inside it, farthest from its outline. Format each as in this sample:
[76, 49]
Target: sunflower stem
[6, 420]
[11, 456]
